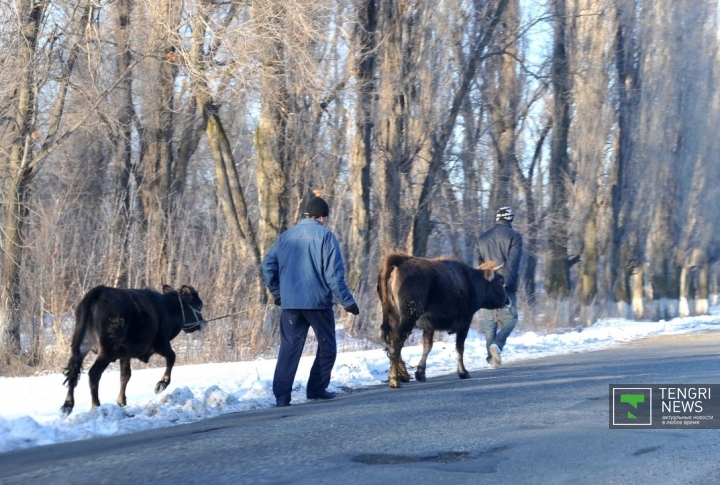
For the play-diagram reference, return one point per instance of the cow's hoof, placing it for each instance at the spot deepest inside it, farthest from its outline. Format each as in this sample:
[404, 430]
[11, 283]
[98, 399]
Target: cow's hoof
[463, 375]
[420, 376]
[65, 411]
[402, 372]
[394, 383]
[161, 386]
[122, 403]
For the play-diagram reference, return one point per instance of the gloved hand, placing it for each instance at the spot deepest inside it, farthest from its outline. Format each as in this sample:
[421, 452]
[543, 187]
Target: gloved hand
[352, 309]
[277, 301]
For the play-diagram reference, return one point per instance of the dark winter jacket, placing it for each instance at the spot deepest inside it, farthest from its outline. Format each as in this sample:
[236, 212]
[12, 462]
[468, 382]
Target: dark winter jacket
[304, 268]
[502, 244]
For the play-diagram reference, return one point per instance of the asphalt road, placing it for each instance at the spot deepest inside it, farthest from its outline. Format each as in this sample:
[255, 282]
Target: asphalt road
[536, 422]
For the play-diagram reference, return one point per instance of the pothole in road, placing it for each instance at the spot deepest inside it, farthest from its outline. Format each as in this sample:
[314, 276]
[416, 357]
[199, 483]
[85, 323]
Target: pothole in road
[643, 451]
[442, 457]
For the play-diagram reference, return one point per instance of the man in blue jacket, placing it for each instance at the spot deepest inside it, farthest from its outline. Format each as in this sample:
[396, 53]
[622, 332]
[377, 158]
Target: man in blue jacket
[303, 270]
[501, 244]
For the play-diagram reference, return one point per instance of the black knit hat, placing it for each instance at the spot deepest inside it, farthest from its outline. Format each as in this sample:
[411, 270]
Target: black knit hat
[317, 207]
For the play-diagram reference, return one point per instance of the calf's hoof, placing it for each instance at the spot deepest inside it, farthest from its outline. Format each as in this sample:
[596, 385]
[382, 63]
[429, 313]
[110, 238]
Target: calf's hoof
[394, 383]
[463, 375]
[161, 386]
[66, 410]
[420, 376]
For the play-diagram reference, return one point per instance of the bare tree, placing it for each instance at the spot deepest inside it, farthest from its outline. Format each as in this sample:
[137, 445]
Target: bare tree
[361, 153]
[157, 180]
[481, 34]
[144, 140]
[28, 140]
[628, 90]
[123, 143]
[556, 280]
[396, 148]
[502, 89]
[590, 58]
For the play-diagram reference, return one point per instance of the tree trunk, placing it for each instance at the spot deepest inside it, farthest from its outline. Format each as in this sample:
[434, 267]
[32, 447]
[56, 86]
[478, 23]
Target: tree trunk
[502, 94]
[22, 163]
[126, 117]
[659, 287]
[702, 290]
[270, 136]
[659, 252]
[556, 282]
[395, 80]
[637, 289]
[627, 86]
[230, 191]
[531, 246]
[18, 178]
[470, 203]
[361, 152]
[685, 309]
[156, 155]
[590, 57]
[588, 287]
[11, 298]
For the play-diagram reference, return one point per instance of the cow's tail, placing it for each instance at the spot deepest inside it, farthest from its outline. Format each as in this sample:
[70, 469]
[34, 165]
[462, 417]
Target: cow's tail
[386, 330]
[387, 300]
[82, 321]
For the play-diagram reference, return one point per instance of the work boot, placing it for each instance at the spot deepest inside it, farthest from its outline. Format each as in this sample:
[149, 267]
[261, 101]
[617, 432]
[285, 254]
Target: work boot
[322, 395]
[495, 353]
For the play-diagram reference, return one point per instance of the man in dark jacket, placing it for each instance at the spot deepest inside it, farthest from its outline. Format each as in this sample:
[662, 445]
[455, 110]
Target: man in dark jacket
[501, 244]
[303, 270]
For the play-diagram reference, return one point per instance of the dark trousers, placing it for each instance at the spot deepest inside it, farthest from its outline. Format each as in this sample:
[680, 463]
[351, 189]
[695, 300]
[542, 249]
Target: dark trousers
[294, 326]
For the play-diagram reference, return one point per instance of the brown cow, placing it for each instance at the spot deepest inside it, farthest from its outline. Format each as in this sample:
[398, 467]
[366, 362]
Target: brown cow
[118, 323]
[432, 294]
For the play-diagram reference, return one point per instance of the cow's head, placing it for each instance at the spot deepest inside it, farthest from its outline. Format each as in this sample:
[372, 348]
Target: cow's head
[190, 307]
[489, 269]
[191, 297]
[494, 295]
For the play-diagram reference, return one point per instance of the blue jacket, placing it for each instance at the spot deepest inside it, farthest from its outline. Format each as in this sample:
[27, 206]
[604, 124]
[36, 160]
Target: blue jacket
[304, 268]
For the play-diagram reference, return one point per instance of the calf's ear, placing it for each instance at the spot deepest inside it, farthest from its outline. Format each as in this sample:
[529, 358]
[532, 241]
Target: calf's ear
[167, 289]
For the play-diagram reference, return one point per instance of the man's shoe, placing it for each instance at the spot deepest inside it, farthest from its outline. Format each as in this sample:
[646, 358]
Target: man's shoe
[322, 395]
[495, 353]
[282, 404]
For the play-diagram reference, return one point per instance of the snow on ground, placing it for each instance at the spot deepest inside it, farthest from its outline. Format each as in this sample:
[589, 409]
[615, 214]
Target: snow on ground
[30, 406]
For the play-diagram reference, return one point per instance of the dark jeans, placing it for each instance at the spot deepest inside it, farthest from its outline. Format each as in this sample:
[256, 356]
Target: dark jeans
[508, 318]
[294, 326]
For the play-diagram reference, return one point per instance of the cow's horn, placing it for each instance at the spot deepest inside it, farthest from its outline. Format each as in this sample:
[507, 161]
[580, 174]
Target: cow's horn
[497, 268]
